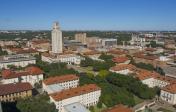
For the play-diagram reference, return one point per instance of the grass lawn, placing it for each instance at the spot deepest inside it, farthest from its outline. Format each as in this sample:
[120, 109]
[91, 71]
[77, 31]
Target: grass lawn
[138, 100]
[163, 110]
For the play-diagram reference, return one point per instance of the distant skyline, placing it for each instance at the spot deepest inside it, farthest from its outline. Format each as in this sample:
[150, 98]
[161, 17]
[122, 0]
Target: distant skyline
[88, 14]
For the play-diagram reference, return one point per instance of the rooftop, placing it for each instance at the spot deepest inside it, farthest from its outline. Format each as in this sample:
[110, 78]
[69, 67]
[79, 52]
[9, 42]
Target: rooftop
[60, 79]
[170, 88]
[17, 57]
[123, 67]
[7, 73]
[120, 59]
[147, 57]
[74, 92]
[75, 107]
[6, 89]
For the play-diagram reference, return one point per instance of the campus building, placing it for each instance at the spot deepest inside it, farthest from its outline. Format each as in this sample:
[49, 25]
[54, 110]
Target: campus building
[12, 92]
[31, 75]
[21, 60]
[59, 83]
[87, 95]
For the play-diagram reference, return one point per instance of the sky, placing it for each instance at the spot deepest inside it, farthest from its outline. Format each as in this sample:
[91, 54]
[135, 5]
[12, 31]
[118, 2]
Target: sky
[88, 14]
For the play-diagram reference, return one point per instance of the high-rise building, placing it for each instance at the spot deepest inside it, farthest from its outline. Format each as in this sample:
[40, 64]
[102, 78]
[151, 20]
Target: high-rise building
[81, 37]
[56, 39]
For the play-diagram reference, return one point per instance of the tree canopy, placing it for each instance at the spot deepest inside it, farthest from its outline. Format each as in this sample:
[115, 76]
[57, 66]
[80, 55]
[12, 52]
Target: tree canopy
[38, 103]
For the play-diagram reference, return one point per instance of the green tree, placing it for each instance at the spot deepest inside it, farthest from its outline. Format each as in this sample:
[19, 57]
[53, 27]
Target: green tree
[38, 103]
[105, 57]
[103, 73]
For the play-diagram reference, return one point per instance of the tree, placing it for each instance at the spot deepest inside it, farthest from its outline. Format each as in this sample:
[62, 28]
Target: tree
[87, 62]
[136, 87]
[91, 108]
[103, 73]
[99, 105]
[149, 67]
[38, 103]
[2, 52]
[105, 57]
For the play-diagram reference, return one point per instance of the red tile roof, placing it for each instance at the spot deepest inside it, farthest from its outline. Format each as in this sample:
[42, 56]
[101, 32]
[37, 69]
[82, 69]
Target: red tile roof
[60, 79]
[147, 57]
[6, 89]
[91, 53]
[7, 73]
[123, 67]
[150, 49]
[75, 92]
[34, 70]
[120, 59]
[21, 50]
[119, 108]
[170, 88]
[41, 41]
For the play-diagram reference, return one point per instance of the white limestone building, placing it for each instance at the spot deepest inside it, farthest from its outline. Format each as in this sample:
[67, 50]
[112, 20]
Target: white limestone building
[59, 83]
[56, 39]
[16, 60]
[65, 58]
[31, 75]
[168, 94]
[87, 95]
[124, 69]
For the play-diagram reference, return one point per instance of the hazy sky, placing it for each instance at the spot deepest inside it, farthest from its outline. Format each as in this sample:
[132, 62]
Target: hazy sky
[88, 14]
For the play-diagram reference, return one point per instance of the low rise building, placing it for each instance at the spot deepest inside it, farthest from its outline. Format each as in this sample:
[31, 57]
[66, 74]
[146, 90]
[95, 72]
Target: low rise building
[121, 60]
[12, 92]
[16, 60]
[65, 58]
[8, 43]
[31, 75]
[168, 94]
[124, 69]
[39, 44]
[15, 50]
[87, 95]
[153, 79]
[94, 55]
[59, 83]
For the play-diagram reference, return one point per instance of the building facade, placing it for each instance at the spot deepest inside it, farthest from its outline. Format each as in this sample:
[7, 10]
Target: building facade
[58, 83]
[109, 43]
[56, 39]
[81, 37]
[87, 95]
[65, 58]
[16, 60]
[12, 92]
[168, 94]
[31, 75]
